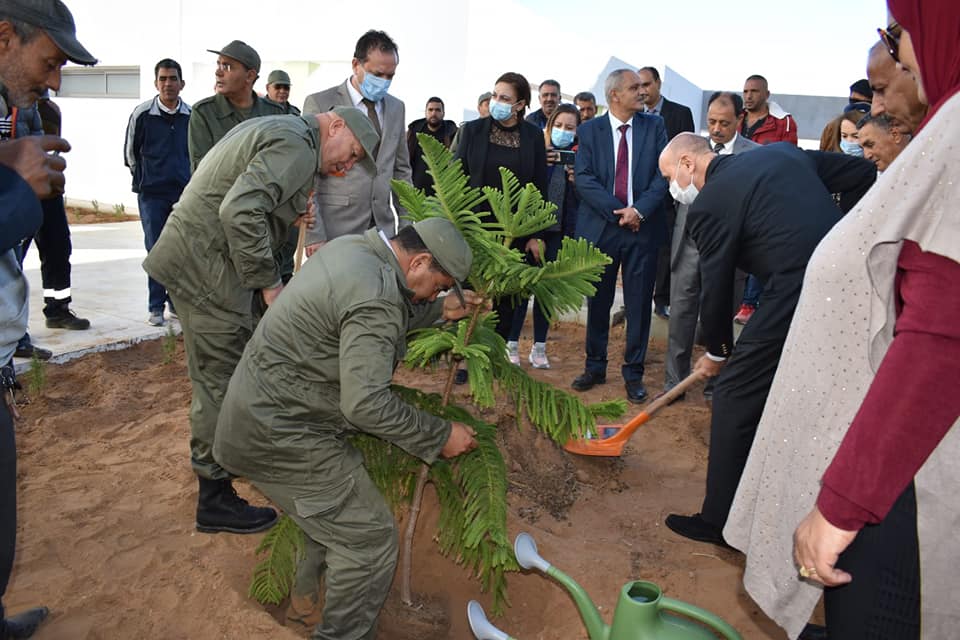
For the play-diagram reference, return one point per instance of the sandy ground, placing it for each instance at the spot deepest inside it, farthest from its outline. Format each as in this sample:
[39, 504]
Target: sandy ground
[106, 536]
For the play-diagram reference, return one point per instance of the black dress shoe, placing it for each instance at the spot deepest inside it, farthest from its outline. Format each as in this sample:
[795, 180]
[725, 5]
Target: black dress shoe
[460, 377]
[31, 350]
[636, 392]
[23, 625]
[662, 311]
[588, 380]
[696, 528]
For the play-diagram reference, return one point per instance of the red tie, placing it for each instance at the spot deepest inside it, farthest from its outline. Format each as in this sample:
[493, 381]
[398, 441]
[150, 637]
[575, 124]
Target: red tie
[623, 167]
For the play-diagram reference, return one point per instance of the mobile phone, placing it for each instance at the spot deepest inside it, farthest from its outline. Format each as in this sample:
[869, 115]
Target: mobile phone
[567, 157]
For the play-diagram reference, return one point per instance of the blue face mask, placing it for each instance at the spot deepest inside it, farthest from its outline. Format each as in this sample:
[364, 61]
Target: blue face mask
[851, 148]
[561, 138]
[373, 88]
[500, 111]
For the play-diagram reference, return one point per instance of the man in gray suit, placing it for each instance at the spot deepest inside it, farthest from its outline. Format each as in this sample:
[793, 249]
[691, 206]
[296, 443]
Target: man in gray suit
[724, 115]
[353, 203]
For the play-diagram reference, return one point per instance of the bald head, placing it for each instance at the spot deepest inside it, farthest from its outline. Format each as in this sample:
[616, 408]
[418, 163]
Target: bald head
[895, 91]
[687, 153]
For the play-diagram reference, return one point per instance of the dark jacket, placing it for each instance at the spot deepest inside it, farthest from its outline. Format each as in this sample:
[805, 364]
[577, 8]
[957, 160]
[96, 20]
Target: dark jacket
[596, 171]
[448, 130]
[764, 212]
[677, 118]
[537, 118]
[155, 149]
[475, 140]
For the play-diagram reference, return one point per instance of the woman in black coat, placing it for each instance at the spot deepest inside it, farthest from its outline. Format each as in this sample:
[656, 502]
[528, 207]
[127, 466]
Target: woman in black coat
[505, 139]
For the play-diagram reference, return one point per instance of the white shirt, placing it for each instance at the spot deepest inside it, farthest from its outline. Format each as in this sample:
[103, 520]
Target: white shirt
[357, 98]
[616, 124]
[727, 146]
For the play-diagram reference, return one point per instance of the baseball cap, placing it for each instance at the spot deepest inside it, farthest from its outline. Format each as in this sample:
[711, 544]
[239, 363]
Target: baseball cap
[486, 95]
[363, 129]
[449, 249]
[278, 76]
[53, 17]
[242, 52]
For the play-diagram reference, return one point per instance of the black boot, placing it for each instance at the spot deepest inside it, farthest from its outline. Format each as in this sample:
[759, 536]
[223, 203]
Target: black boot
[59, 316]
[23, 624]
[219, 508]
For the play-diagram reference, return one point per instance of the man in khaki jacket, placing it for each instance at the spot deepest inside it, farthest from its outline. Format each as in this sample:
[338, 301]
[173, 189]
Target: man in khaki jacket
[318, 370]
[216, 252]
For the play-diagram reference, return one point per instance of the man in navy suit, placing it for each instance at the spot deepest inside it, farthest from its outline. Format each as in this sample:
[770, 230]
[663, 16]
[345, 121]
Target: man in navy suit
[621, 212]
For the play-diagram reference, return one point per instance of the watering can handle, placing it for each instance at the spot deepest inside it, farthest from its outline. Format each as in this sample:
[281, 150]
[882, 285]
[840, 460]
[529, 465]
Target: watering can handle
[700, 615]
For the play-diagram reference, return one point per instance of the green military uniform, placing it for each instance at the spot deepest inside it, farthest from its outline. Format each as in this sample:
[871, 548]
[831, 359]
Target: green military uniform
[317, 370]
[216, 251]
[213, 117]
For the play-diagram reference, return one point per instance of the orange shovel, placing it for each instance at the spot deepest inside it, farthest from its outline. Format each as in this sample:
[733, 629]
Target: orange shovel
[613, 438]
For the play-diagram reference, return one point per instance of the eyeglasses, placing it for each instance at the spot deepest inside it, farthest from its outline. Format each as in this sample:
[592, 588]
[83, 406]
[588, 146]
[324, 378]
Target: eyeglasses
[890, 41]
[281, 87]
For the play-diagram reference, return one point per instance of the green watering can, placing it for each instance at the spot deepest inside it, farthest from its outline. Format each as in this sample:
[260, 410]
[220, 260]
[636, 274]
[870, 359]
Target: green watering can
[642, 612]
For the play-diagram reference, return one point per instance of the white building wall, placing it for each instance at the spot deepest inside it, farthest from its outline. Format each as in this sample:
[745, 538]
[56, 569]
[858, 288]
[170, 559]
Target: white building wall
[454, 50]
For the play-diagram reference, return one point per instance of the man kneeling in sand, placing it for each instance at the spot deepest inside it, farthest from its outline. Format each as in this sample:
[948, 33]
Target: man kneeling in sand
[318, 370]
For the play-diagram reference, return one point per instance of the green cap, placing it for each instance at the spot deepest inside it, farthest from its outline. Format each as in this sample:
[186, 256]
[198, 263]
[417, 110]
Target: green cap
[278, 76]
[366, 135]
[449, 249]
[241, 52]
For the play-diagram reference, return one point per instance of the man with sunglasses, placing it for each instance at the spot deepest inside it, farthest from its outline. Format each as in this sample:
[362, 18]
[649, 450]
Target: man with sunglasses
[238, 66]
[278, 90]
[894, 88]
[317, 373]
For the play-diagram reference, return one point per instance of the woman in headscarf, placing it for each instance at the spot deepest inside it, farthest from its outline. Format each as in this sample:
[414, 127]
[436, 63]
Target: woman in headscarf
[860, 432]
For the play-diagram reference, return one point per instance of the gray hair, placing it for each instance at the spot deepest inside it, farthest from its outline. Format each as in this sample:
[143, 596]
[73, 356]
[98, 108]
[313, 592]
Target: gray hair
[612, 83]
[26, 32]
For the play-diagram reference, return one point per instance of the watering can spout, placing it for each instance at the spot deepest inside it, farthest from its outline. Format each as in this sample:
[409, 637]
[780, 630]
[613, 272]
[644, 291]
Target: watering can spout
[525, 549]
[480, 626]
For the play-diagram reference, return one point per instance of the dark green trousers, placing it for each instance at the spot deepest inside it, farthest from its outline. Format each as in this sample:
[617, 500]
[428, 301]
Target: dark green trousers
[214, 340]
[352, 539]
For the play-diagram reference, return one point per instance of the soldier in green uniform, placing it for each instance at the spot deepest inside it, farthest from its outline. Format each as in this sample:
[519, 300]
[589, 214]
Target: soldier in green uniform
[317, 370]
[216, 252]
[238, 66]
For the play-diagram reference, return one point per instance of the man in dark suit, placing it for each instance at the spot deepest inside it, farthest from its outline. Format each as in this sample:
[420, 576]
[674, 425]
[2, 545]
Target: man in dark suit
[621, 212]
[763, 212]
[724, 114]
[677, 118]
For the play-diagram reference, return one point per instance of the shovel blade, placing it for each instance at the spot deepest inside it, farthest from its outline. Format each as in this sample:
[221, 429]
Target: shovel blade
[606, 445]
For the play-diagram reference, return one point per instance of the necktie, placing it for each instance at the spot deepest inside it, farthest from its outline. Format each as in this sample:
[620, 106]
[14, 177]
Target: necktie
[623, 166]
[372, 114]
[718, 147]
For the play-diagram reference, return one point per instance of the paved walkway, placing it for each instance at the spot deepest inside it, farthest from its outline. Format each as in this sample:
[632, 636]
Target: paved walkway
[109, 288]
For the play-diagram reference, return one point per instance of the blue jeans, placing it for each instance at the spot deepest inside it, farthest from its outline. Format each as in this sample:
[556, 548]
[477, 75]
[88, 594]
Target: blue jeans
[752, 290]
[154, 211]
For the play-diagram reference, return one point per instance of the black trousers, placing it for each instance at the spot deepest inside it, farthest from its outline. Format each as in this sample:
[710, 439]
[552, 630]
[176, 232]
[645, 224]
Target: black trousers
[8, 500]
[741, 392]
[883, 601]
[661, 289]
[54, 247]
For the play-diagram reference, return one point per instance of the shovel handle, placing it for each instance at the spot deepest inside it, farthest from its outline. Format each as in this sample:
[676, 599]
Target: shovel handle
[301, 244]
[624, 434]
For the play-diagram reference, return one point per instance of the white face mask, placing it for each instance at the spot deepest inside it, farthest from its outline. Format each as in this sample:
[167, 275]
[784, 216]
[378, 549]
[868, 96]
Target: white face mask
[685, 195]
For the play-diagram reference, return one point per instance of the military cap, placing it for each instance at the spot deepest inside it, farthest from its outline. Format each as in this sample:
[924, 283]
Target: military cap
[241, 52]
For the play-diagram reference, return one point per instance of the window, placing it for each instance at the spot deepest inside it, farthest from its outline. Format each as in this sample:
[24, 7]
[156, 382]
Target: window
[100, 82]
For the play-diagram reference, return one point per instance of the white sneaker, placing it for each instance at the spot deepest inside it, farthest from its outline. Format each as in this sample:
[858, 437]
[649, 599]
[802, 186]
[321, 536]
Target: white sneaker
[513, 352]
[538, 356]
[156, 319]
